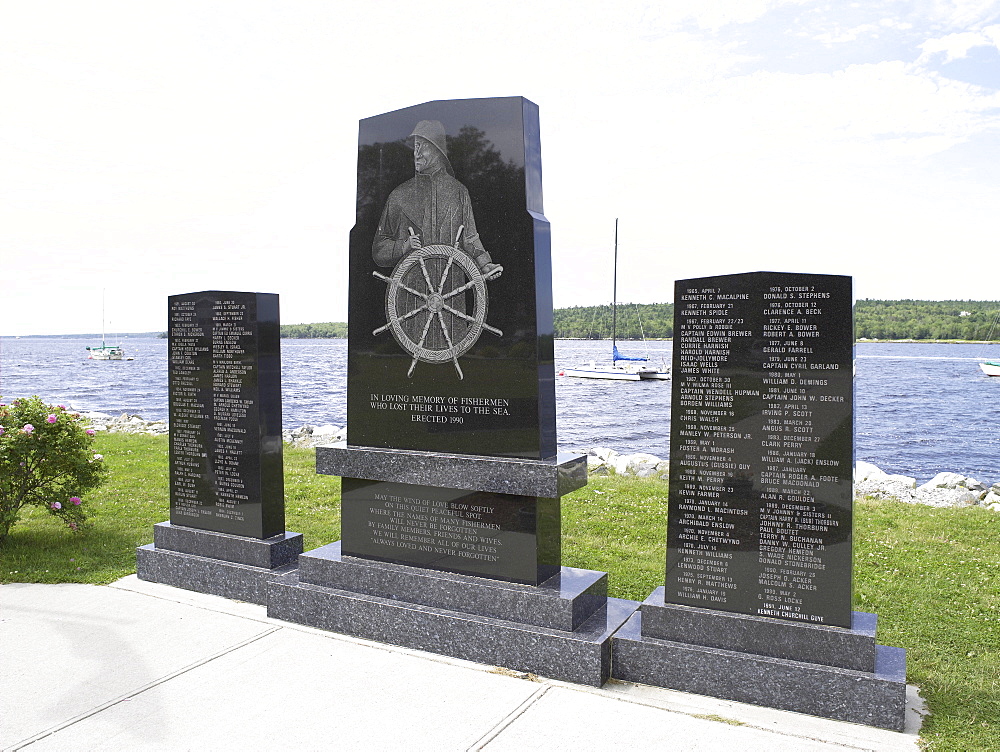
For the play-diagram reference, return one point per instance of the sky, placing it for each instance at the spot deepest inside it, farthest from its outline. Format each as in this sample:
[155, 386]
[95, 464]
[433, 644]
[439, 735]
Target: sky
[155, 148]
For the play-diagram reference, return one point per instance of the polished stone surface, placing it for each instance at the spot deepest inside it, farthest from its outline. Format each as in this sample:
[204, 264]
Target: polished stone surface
[204, 575]
[224, 374]
[813, 643]
[232, 566]
[551, 477]
[443, 354]
[564, 601]
[268, 553]
[875, 698]
[761, 446]
[582, 656]
[504, 536]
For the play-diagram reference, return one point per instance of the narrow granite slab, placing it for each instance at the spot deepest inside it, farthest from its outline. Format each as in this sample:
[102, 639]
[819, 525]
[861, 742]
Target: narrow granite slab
[549, 478]
[798, 641]
[875, 698]
[582, 656]
[240, 582]
[268, 553]
[564, 601]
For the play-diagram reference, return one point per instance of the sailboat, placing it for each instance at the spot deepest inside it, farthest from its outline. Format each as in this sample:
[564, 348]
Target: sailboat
[105, 351]
[991, 367]
[622, 367]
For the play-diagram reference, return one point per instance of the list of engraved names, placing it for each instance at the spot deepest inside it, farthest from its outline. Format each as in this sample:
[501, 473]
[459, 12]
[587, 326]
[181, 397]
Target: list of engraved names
[758, 467]
[212, 401]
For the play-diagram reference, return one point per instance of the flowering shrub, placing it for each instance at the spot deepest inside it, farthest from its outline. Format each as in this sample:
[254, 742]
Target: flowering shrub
[46, 459]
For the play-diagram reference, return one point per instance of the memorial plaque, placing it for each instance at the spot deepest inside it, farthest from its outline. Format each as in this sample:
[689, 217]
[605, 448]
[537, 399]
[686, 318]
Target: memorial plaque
[502, 536]
[450, 478]
[761, 454]
[450, 345]
[226, 470]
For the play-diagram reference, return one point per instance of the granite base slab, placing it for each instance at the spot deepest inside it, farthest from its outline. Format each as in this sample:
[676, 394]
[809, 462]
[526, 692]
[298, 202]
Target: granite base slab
[876, 698]
[581, 656]
[798, 641]
[232, 566]
[564, 601]
[268, 553]
[240, 582]
[551, 478]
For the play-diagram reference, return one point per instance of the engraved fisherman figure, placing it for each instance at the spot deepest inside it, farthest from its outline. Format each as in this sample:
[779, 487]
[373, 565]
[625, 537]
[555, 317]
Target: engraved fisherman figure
[430, 207]
[436, 301]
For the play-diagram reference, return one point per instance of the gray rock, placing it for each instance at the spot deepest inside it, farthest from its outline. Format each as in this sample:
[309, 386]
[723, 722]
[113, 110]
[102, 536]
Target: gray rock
[946, 497]
[944, 490]
[953, 482]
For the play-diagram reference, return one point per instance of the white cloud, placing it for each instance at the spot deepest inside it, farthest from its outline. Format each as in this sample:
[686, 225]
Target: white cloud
[957, 46]
[961, 13]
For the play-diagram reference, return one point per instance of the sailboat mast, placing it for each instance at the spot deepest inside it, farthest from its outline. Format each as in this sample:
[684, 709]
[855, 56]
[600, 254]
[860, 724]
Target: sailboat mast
[614, 299]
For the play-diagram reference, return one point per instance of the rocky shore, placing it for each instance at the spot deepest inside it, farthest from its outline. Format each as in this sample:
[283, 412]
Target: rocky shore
[944, 490]
[125, 423]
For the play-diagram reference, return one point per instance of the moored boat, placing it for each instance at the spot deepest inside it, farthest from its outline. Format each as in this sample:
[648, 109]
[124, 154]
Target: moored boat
[622, 367]
[990, 368]
[106, 352]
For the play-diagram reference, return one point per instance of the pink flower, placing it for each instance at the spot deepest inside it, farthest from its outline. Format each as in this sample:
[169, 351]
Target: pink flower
[90, 432]
[76, 500]
[61, 407]
[1, 430]
[28, 428]
[52, 418]
[55, 505]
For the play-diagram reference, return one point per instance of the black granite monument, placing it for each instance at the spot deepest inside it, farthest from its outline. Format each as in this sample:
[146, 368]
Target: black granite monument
[451, 478]
[756, 605]
[227, 510]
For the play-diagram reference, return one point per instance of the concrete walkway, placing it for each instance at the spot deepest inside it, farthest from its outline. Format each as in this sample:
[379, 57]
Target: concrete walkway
[143, 666]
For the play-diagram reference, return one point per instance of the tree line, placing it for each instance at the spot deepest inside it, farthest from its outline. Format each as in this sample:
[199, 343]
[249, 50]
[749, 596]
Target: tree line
[873, 319]
[926, 319]
[327, 330]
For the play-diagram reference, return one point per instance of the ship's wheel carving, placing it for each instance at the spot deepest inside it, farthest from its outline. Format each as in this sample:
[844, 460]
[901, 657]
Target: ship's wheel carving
[436, 304]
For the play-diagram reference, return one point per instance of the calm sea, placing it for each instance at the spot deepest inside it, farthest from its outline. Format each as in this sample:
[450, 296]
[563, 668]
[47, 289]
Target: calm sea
[920, 408]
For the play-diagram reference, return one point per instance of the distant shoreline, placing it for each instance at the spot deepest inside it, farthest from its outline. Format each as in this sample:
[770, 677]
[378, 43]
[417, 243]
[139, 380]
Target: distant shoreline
[863, 341]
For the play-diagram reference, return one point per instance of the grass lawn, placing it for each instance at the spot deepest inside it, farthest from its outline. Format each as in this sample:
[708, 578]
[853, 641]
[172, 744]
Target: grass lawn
[932, 575]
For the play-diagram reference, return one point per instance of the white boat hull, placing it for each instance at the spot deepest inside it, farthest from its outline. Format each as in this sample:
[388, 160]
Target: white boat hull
[990, 369]
[107, 353]
[583, 373]
[616, 373]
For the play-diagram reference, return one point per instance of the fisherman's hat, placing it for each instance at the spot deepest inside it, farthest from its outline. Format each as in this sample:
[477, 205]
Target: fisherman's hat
[433, 131]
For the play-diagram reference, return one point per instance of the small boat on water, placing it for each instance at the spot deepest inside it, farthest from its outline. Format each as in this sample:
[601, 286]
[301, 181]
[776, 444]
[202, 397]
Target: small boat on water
[991, 367]
[105, 351]
[621, 368]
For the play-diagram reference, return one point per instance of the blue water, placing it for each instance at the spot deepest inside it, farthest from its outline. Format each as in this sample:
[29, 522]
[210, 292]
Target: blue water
[920, 408]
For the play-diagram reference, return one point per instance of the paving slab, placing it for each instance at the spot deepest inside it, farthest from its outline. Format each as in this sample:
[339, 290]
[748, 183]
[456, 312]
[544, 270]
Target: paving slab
[68, 649]
[139, 665]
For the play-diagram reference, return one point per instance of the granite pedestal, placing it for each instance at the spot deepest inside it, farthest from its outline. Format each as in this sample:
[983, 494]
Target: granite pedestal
[232, 566]
[831, 672]
[560, 627]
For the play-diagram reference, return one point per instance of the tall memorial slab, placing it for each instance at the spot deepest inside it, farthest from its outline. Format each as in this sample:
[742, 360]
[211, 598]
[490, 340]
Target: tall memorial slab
[227, 511]
[451, 477]
[756, 604]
